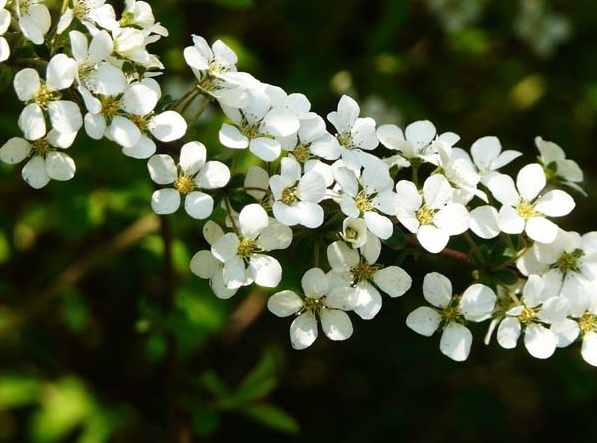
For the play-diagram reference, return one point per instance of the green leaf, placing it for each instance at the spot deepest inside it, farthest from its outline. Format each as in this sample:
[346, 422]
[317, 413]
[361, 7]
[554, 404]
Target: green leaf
[206, 421]
[214, 384]
[506, 276]
[259, 381]
[17, 390]
[272, 417]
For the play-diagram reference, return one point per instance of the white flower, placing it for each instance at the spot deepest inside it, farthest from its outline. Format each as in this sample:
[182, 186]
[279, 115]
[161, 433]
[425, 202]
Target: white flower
[130, 43]
[358, 269]
[524, 209]
[139, 13]
[584, 325]
[33, 18]
[192, 175]
[321, 301]
[215, 70]
[451, 312]
[415, 144]
[557, 166]
[484, 221]
[535, 310]
[47, 161]
[94, 75]
[296, 198]
[432, 217]
[458, 168]
[568, 265]
[135, 119]
[542, 30]
[43, 96]
[256, 126]
[91, 13]
[354, 135]
[488, 156]
[5, 19]
[354, 231]
[242, 253]
[368, 196]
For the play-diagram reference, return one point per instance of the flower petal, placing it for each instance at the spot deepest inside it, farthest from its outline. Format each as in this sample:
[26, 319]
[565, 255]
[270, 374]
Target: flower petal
[265, 270]
[437, 289]
[199, 205]
[213, 175]
[336, 324]
[60, 166]
[456, 341]
[165, 201]
[530, 181]
[284, 303]
[540, 341]
[315, 283]
[162, 169]
[424, 320]
[393, 280]
[303, 331]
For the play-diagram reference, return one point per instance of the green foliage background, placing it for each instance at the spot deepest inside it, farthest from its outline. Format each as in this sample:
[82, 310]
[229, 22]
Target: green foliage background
[92, 357]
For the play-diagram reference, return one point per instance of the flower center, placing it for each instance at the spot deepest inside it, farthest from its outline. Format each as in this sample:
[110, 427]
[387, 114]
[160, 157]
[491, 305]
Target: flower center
[526, 316]
[362, 202]
[314, 304]
[43, 95]
[128, 19]
[140, 121]
[247, 247]
[567, 262]
[587, 323]
[250, 131]
[81, 9]
[425, 215]
[110, 106]
[362, 272]
[207, 84]
[525, 210]
[345, 140]
[288, 197]
[41, 147]
[451, 312]
[184, 184]
[351, 233]
[302, 153]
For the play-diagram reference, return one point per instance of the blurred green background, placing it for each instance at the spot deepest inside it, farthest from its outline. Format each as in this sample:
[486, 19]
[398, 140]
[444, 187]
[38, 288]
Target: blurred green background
[90, 349]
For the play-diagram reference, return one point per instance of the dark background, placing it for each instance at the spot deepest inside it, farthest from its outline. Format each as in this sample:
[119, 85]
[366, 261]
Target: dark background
[90, 349]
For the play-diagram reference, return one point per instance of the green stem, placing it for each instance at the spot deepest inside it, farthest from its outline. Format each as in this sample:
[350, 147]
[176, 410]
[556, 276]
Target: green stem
[201, 109]
[229, 209]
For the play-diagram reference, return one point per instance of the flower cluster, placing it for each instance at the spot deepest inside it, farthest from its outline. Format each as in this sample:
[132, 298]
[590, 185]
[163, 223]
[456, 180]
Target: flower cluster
[357, 191]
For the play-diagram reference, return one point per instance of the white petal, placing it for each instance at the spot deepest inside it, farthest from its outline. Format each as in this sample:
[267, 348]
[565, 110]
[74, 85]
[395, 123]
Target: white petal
[420, 133]
[311, 187]
[26, 84]
[504, 158]
[65, 116]
[109, 80]
[124, 132]
[315, 283]
[212, 232]
[168, 126]
[424, 320]
[275, 236]
[437, 191]
[225, 247]
[530, 181]
[510, 221]
[4, 49]
[541, 230]
[341, 257]
[456, 341]
[35, 23]
[140, 99]
[484, 222]
[213, 175]
[231, 137]
[437, 289]
[235, 274]
[484, 151]
[508, 332]
[477, 300]
[553, 310]
[310, 214]
[199, 205]
[35, 173]
[95, 126]
[303, 331]
[60, 166]
[165, 201]
[369, 301]
[144, 148]
[452, 218]
[253, 220]
[539, 341]
[378, 224]
[284, 303]
[61, 72]
[15, 150]
[336, 324]
[503, 189]
[408, 195]
[393, 280]
[195, 59]
[192, 157]
[390, 136]
[32, 122]
[265, 270]
[162, 169]
[281, 122]
[204, 265]
[589, 348]
[219, 288]
[555, 203]
[341, 297]
[287, 215]
[432, 238]
[265, 148]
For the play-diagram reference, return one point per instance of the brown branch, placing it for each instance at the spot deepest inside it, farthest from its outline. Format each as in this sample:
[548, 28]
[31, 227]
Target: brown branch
[453, 254]
[78, 270]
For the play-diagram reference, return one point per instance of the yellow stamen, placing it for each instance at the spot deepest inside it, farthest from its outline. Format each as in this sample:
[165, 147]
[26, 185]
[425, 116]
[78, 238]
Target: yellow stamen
[184, 184]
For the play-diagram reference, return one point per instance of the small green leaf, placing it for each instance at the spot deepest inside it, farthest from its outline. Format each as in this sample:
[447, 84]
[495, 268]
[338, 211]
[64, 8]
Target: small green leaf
[206, 421]
[214, 384]
[259, 381]
[272, 417]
